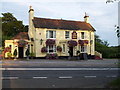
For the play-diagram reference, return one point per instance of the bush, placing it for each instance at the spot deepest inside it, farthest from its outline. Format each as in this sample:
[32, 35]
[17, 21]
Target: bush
[9, 54]
[32, 54]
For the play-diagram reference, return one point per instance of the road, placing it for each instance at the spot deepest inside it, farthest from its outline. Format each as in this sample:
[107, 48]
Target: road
[58, 77]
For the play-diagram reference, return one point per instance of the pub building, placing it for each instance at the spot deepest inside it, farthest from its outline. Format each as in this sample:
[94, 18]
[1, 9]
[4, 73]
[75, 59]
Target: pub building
[54, 38]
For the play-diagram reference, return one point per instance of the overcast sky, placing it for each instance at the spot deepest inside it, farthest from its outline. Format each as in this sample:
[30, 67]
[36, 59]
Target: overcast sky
[103, 17]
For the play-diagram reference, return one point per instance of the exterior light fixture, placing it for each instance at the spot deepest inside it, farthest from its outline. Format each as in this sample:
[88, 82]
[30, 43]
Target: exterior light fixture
[41, 41]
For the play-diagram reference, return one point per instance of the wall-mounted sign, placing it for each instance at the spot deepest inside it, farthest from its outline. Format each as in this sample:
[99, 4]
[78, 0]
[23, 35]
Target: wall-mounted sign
[74, 35]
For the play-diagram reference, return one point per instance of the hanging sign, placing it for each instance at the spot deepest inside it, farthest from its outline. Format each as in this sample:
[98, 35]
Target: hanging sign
[74, 35]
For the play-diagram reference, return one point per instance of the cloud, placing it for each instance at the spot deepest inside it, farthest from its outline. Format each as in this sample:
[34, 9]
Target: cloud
[53, 1]
[103, 16]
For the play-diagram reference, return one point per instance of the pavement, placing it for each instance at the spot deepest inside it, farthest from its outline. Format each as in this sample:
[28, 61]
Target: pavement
[59, 63]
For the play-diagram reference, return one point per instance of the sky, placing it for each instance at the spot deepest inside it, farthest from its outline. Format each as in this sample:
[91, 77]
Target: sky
[103, 17]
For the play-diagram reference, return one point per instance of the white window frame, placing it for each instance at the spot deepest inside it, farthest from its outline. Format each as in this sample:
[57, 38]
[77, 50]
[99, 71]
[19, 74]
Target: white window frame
[53, 48]
[67, 35]
[48, 33]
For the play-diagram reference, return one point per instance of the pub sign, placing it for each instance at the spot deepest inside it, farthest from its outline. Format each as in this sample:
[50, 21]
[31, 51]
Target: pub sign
[74, 35]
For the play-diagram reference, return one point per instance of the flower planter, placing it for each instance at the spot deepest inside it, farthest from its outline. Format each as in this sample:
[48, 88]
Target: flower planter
[72, 43]
[43, 49]
[59, 48]
[22, 43]
[82, 42]
[50, 42]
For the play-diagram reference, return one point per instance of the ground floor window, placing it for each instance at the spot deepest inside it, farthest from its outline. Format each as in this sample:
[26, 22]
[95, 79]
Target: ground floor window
[63, 48]
[83, 49]
[51, 48]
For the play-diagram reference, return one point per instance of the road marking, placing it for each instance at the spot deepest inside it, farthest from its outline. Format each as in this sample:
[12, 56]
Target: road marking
[89, 76]
[65, 77]
[112, 76]
[39, 77]
[9, 77]
[59, 68]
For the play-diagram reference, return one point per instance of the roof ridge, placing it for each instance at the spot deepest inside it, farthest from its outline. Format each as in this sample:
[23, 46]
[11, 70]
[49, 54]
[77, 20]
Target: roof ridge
[60, 19]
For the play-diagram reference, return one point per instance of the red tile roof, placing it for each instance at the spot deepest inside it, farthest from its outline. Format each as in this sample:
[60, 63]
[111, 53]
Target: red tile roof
[21, 35]
[61, 24]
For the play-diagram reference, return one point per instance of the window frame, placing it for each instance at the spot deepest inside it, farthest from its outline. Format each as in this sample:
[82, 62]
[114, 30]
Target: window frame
[63, 48]
[82, 35]
[48, 34]
[53, 48]
[67, 34]
[83, 49]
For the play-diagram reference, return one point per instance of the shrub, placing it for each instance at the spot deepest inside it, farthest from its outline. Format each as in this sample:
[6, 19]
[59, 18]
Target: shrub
[9, 54]
[32, 54]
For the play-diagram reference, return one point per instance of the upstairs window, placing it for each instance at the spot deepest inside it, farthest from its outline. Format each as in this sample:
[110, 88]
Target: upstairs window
[82, 35]
[67, 34]
[50, 34]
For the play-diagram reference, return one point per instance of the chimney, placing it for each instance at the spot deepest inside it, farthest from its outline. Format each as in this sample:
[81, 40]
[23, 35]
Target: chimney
[86, 18]
[31, 16]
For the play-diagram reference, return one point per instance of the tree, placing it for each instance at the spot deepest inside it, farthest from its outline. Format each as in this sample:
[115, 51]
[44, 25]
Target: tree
[27, 52]
[15, 53]
[103, 47]
[11, 26]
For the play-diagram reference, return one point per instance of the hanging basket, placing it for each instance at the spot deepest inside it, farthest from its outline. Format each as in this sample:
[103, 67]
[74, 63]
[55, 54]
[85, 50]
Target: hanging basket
[43, 49]
[59, 48]
[50, 42]
[22, 43]
[72, 43]
[83, 42]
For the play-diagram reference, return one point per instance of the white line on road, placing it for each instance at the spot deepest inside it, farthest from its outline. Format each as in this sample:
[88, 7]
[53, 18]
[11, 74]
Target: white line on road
[59, 68]
[89, 76]
[65, 77]
[9, 77]
[112, 76]
[39, 77]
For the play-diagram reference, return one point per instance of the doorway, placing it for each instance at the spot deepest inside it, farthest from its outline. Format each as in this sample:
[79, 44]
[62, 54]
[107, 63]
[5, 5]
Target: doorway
[71, 51]
[20, 49]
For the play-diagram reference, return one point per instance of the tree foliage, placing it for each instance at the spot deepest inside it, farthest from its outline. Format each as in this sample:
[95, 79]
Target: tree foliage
[11, 26]
[104, 48]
